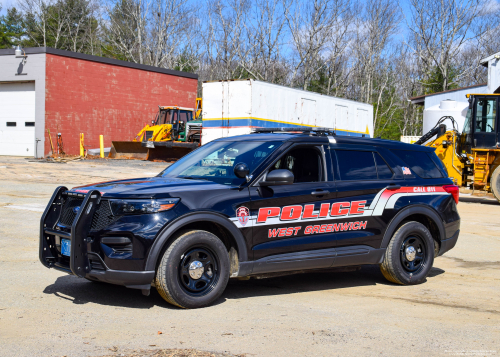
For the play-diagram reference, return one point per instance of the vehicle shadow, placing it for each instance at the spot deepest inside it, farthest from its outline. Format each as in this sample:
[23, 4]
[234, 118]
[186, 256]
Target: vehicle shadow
[482, 200]
[81, 291]
[367, 275]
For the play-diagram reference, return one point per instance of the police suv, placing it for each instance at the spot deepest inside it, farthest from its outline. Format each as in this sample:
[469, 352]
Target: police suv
[277, 200]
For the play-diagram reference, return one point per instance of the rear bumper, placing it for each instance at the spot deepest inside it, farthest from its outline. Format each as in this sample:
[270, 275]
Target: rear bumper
[449, 243]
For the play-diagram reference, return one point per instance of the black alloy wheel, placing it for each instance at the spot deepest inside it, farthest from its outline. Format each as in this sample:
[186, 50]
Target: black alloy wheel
[194, 270]
[413, 254]
[409, 254]
[199, 271]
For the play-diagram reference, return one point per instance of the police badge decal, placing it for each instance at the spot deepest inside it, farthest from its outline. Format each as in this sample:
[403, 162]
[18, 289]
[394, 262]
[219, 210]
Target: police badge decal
[243, 215]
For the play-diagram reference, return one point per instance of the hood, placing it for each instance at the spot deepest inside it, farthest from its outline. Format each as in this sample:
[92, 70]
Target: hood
[151, 187]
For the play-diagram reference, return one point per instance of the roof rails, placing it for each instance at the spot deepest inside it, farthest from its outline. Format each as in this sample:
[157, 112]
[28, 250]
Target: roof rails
[299, 129]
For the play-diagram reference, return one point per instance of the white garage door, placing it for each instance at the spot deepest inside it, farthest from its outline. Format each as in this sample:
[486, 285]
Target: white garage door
[17, 119]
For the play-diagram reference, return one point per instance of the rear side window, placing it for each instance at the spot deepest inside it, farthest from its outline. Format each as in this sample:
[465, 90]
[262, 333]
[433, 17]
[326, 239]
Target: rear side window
[420, 162]
[360, 165]
[383, 171]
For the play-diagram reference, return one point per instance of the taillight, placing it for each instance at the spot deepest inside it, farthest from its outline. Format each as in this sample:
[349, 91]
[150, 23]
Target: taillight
[454, 190]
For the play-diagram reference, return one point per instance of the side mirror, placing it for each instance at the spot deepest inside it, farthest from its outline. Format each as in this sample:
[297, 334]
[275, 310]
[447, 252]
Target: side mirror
[241, 170]
[278, 177]
[470, 102]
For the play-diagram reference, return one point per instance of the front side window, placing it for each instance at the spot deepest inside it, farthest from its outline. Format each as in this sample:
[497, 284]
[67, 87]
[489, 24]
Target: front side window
[467, 122]
[215, 161]
[486, 113]
[183, 116]
[304, 162]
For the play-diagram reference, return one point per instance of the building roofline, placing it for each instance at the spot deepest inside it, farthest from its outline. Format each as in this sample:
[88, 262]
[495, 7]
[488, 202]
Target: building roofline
[421, 98]
[105, 60]
[485, 61]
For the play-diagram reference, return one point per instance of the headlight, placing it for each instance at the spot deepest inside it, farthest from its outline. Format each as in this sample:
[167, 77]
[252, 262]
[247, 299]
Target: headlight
[121, 207]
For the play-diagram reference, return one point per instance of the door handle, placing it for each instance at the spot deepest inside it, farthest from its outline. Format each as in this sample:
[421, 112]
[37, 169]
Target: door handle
[320, 193]
[392, 187]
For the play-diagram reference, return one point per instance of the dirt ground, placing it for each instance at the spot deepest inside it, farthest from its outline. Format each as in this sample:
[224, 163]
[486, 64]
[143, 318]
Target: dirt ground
[47, 313]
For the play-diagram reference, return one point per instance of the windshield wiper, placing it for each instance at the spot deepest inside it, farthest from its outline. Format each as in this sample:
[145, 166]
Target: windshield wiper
[192, 178]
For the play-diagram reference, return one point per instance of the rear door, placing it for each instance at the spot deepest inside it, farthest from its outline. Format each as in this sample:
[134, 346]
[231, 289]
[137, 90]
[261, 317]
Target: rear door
[485, 125]
[364, 181]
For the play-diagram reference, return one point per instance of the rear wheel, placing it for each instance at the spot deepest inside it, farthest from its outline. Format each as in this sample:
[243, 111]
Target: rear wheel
[193, 271]
[409, 255]
[495, 183]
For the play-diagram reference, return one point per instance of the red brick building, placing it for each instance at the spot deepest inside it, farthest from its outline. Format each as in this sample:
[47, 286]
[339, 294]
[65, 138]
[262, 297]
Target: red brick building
[73, 93]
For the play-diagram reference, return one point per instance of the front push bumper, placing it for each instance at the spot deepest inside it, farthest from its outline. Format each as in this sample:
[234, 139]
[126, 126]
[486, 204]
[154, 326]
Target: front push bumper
[79, 263]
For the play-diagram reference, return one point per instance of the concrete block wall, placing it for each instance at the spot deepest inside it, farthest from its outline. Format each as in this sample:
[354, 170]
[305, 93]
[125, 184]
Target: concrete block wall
[94, 98]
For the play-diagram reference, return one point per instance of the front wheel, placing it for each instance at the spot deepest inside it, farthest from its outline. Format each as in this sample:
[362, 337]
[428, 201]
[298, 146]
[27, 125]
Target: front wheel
[495, 183]
[193, 271]
[409, 255]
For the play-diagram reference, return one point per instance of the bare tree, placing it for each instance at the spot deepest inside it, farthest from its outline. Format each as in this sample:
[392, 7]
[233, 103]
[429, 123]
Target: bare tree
[378, 23]
[263, 59]
[441, 29]
[310, 24]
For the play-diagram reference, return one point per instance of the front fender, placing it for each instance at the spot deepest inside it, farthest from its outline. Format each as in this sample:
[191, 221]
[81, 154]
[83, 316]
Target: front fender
[170, 229]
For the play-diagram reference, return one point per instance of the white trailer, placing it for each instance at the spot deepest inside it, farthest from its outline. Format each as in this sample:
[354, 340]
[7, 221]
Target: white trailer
[234, 107]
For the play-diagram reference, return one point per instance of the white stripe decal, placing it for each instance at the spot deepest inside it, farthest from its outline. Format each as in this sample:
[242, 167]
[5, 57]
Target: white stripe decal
[376, 208]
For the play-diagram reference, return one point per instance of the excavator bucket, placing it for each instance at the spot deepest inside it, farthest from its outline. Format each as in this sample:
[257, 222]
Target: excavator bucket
[170, 150]
[128, 150]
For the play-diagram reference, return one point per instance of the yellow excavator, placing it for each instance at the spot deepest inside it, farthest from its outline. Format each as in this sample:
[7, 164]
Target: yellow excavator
[472, 158]
[172, 134]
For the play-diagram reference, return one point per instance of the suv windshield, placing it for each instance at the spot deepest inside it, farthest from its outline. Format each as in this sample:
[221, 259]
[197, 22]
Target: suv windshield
[215, 161]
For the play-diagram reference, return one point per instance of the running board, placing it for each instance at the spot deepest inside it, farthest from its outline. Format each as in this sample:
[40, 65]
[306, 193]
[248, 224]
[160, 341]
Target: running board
[313, 259]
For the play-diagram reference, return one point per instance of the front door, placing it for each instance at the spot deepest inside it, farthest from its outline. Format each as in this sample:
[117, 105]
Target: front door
[485, 125]
[286, 216]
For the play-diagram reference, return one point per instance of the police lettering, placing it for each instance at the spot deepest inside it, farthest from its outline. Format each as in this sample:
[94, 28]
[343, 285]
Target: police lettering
[298, 212]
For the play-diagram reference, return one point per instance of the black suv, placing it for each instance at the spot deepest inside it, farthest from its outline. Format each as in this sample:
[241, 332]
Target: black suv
[276, 200]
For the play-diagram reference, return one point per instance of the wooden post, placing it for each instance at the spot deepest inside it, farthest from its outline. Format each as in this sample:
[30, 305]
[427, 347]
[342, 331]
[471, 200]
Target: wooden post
[101, 145]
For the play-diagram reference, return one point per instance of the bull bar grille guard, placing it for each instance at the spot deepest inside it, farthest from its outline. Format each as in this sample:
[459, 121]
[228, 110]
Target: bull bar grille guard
[79, 262]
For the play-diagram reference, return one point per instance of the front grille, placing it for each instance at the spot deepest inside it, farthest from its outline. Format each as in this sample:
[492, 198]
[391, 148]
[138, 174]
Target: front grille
[68, 214]
[148, 135]
[103, 216]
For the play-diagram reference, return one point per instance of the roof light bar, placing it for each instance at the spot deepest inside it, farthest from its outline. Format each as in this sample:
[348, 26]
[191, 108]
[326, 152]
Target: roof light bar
[300, 129]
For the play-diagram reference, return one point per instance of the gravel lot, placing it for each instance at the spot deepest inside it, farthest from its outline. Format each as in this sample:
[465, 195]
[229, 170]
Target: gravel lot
[46, 313]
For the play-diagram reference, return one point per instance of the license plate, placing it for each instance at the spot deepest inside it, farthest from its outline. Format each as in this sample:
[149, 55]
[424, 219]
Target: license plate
[65, 247]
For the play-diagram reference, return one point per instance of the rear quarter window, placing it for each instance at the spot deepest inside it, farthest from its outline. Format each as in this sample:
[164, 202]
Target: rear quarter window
[420, 162]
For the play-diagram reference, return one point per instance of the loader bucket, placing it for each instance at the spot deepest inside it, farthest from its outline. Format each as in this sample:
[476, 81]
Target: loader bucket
[170, 151]
[128, 150]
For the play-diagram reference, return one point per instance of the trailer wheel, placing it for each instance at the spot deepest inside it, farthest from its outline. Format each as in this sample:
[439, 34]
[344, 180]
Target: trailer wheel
[495, 183]
[193, 271]
[409, 255]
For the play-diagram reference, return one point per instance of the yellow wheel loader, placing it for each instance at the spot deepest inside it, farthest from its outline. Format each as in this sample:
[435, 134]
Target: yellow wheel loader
[472, 158]
[172, 134]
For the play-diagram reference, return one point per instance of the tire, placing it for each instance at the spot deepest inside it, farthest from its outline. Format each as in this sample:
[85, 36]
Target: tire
[400, 266]
[205, 282]
[495, 183]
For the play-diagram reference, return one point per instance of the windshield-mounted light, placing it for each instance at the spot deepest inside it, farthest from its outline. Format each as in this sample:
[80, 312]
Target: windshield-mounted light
[131, 206]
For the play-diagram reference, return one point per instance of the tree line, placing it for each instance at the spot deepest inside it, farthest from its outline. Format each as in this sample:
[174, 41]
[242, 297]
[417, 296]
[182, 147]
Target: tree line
[381, 52]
